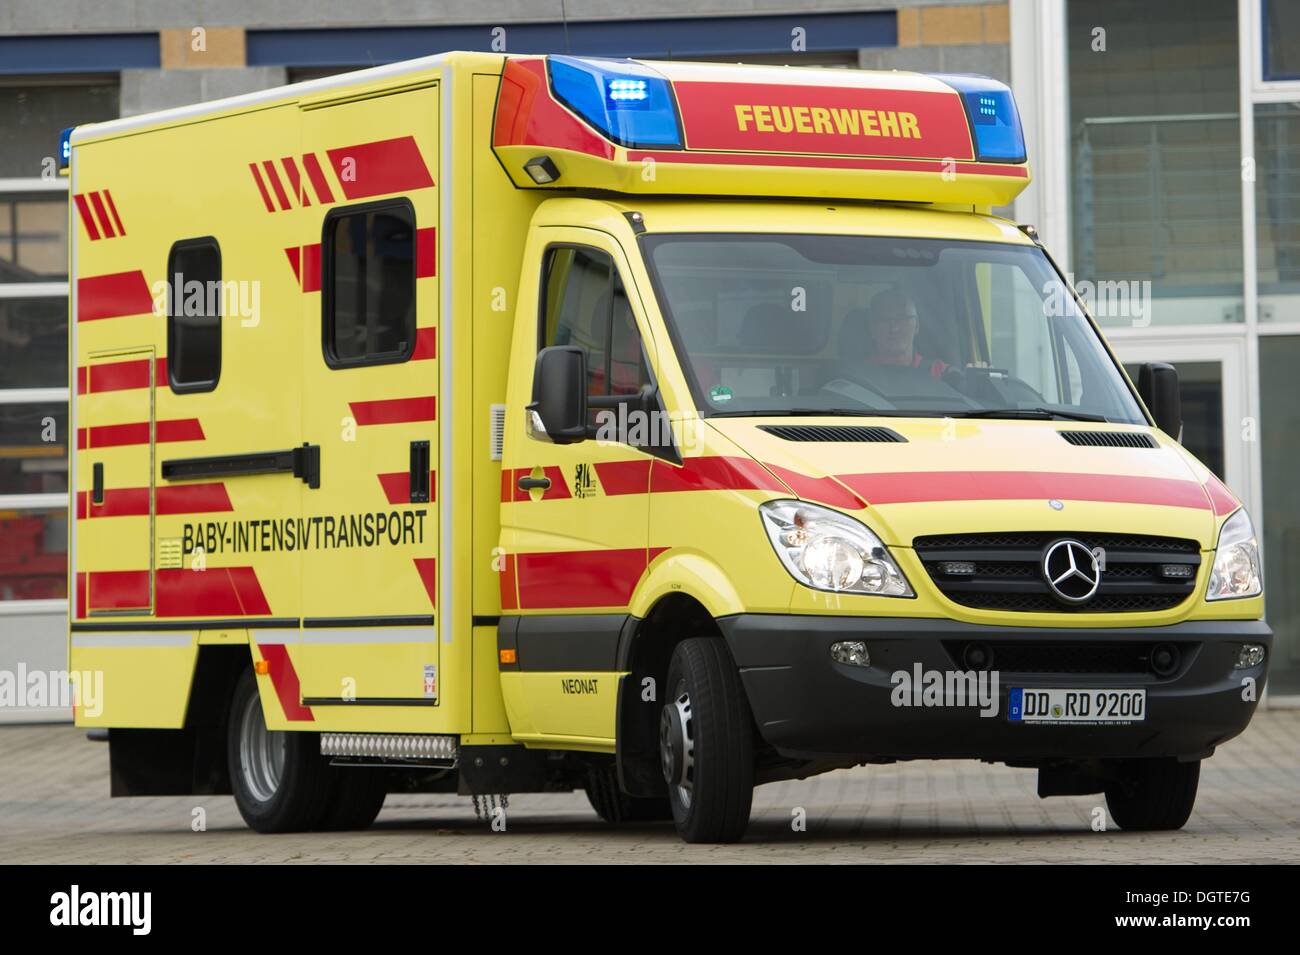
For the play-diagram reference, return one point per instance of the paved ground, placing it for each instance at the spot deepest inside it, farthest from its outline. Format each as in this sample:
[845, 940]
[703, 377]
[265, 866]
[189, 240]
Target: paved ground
[54, 807]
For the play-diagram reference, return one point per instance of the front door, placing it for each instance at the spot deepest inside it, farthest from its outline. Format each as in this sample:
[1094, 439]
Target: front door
[370, 400]
[575, 516]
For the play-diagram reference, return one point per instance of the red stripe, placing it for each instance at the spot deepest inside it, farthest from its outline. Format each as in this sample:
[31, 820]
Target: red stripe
[909, 487]
[119, 435]
[295, 180]
[284, 680]
[379, 168]
[713, 474]
[261, 187]
[394, 410]
[117, 589]
[829, 162]
[81, 593]
[624, 477]
[427, 568]
[102, 215]
[134, 501]
[113, 295]
[426, 344]
[119, 375]
[824, 490]
[274, 179]
[88, 220]
[214, 592]
[509, 591]
[317, 177]
[294, 253]
[583, 578]
[117, 220]
[397, 486]
[426, 253]
[1221, 499]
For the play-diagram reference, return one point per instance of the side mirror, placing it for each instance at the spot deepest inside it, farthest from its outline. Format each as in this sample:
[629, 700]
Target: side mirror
[1158, 386]
[560, 394]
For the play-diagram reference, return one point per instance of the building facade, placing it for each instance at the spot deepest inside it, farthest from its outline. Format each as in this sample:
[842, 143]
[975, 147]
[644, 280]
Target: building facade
[1159, 135]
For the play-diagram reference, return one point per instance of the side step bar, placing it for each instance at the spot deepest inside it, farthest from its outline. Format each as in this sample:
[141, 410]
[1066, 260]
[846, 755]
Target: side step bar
[390, 746]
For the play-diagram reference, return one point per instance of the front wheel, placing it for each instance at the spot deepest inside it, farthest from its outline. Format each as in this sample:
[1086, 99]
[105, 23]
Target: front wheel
[280, 781]
[706, 744]
[1153, 794]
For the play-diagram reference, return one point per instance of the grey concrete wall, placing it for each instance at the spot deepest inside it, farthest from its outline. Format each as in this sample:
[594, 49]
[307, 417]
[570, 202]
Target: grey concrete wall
[144, 91]
[988, 59]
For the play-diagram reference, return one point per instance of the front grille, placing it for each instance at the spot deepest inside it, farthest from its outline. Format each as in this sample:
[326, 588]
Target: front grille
[830, 432]
[1059, 656]
[1008, 576]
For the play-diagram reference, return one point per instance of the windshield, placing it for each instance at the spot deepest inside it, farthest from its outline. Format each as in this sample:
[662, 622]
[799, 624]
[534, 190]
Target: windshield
[834, 324]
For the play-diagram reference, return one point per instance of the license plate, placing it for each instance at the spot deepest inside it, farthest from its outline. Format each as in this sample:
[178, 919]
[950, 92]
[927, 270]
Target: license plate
[1111, 707]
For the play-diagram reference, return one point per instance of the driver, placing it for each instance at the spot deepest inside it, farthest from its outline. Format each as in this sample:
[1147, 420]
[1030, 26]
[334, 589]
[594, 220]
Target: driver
[892, 324]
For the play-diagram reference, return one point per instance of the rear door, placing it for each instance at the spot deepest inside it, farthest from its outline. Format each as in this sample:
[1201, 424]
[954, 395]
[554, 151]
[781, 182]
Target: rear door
[368, 266]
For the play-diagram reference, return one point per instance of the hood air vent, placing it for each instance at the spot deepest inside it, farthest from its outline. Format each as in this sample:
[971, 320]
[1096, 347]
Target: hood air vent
[1109, 439]
[831, 432]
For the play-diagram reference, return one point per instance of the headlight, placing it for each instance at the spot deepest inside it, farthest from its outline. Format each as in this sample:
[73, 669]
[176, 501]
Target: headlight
[827, 550]
[1236, 561]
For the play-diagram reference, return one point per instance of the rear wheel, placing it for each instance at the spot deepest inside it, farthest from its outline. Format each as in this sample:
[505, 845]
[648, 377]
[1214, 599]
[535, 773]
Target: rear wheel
[1153, 794]
[281, 782]
[706, 744]
[615, 806]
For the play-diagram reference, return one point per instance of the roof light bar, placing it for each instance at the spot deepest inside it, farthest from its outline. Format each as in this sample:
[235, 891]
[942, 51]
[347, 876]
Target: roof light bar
[991, 111]
[626, 102]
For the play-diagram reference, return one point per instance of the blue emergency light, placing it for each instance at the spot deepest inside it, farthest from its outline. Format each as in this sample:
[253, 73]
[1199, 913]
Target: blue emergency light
[994, 121]
[65, 147]
[628, 103]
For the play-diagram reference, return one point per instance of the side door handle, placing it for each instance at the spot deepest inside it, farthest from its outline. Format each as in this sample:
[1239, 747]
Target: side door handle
[527, 483]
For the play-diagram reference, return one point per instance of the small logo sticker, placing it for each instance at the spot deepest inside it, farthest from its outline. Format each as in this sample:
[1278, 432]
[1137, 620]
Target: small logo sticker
[584, 481]
[1055, 505]
[430, 681]
[719, 394]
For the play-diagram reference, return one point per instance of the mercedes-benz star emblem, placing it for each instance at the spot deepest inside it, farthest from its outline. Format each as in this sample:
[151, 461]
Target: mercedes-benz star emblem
[1071, 571]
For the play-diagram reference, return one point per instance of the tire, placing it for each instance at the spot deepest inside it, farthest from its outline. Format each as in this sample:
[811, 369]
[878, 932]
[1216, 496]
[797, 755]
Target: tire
[1153, 795]
[706, 743]
[358, 796]
[617, 807]
[280, 781]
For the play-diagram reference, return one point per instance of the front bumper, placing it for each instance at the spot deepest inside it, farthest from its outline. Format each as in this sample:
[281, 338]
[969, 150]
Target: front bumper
[808, 706]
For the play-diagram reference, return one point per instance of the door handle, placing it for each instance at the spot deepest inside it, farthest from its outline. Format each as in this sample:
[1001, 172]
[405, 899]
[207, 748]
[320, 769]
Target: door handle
[97, 483]
[527, 483]
[303, 462]
[418, 482]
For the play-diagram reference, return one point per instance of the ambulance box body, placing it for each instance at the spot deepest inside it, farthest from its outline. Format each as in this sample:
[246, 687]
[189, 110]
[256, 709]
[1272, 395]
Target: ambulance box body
[516, 423]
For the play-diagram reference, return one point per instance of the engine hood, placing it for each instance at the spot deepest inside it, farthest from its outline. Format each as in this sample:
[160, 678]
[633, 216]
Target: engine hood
[950, 476]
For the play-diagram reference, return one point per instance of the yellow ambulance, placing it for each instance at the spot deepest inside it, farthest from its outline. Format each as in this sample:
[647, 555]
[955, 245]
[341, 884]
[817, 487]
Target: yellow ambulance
[501, 424]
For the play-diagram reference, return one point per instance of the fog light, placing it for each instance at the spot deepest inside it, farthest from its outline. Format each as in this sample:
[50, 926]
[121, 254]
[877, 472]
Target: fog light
[1250, 655]
[958, 567]
[1164, 659]
[1177, 571]
[852, 652]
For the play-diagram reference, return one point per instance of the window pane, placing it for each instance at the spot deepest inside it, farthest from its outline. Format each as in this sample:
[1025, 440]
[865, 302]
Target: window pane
[194, 321]
[1156, 155]
[33, 116]
[33, 555]
[1281, 40]
[1279, 357]
[372, 280]
[33, 237]
[33, 342]
[1277, 210]
[578, 308]
[34, 449]
[627, 370]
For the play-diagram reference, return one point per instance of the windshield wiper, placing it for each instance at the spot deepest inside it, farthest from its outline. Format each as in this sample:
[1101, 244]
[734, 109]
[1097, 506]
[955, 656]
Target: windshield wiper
[1043, 413]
